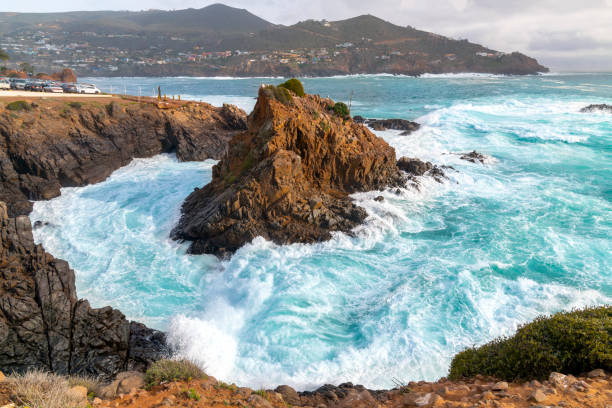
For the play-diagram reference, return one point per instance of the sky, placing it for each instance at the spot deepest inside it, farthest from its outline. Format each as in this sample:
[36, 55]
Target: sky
[565, 35]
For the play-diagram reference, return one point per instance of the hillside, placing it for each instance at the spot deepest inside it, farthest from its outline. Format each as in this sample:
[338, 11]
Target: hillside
[221, 40]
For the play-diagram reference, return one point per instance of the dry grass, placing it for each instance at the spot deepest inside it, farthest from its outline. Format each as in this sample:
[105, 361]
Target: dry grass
[172, 370]
[40, 389]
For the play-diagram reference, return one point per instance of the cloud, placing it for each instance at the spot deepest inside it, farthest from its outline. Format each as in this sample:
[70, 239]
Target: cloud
[550, 30]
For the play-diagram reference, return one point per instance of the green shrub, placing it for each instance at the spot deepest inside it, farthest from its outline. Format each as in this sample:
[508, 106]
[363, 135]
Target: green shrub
[341, 109]
[19, 106]
[571, 343]
[279, 93]
[172, 370]
[294, 85]
[75, 105]
[193, 394]
[262, 393]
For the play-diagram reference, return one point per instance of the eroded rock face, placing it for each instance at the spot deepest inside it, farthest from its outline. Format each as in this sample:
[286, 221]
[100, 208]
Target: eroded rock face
[288, 178]
[44, 325]
[55, 145]
[414, 167]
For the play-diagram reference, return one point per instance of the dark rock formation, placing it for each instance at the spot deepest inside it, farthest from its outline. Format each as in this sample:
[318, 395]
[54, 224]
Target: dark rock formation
[393, 124]
[54, 144]
[597, 108]
[43, 324]
[474, 157]
[288, 178]
[416, 167]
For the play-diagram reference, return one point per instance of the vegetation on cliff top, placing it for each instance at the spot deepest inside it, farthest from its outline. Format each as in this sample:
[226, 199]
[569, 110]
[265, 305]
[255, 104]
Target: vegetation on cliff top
[572, 342]
[294, 85]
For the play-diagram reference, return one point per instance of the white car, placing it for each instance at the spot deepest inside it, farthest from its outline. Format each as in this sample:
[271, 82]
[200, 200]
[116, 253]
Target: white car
[5, 84]
[87, 89]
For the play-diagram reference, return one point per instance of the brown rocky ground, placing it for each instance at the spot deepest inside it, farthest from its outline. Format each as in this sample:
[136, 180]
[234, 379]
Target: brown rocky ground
[592, 390]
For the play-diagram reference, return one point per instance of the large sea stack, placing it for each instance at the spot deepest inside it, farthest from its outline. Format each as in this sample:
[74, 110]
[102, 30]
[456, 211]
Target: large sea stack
[288, 177]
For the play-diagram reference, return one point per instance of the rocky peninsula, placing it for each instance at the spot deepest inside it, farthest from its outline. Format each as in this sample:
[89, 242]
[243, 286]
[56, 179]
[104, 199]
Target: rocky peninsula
[49, 144]
[288, 177]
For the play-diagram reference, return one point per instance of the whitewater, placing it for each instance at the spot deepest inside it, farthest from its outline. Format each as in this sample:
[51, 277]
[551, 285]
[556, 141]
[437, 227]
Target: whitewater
[433, 270]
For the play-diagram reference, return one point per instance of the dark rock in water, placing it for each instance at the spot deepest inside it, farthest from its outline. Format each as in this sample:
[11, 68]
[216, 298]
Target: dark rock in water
[597, 108]
[413, 166]
[359, 119]
[67, 148]
[474, 157]
[393, 124]
[379, 198]
[288, 178]
[43, 325]
[416, 167]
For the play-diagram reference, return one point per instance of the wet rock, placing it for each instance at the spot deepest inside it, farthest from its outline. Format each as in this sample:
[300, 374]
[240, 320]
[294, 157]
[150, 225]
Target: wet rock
[393, 124]
[287, 179]
[597, 108]
[379, 198]
[416, 167]
[474, 157]
[45, 326]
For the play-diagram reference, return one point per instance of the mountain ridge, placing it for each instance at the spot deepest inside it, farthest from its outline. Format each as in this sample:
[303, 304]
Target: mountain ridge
[222, 40]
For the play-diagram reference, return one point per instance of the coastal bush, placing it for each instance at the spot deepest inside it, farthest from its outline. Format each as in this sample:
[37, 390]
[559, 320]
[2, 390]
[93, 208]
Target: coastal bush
[40, 389]
[294, 85]
[75, 104]
[172, 370]
[279, 93]
[19, 106]
[571, 342]
[341, 109]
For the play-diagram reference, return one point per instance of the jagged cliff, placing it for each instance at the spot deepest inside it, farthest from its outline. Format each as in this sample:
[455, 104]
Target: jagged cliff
[44, 325]
[50, 144]
[288, 177]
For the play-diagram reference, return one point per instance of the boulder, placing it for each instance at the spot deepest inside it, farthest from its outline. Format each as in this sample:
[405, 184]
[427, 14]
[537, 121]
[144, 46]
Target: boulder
[287, 178]
[500, 386]
[538, 396]
[598, 372]
[129, 381]
[289, 394]
[257, 401]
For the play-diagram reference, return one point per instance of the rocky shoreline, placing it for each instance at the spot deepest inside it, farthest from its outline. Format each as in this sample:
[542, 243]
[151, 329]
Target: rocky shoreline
[46, 145]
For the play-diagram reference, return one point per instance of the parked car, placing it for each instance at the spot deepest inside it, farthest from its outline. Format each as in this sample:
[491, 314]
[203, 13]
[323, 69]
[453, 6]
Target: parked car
[53, 87]
[4, 84]
[70, 88]
[34, 86]
[17, 83]
[87, 89]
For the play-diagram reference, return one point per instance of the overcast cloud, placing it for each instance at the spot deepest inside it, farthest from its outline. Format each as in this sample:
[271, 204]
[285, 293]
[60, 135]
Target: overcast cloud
[568, 35]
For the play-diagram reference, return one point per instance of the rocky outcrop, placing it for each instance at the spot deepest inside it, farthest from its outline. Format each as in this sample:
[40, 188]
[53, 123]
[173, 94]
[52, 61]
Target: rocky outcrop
[385, 124]
[65, 75]
[597, 108]
[54, 144]
[44, 325]
[474, 157]
[414, 167]
[288, 178]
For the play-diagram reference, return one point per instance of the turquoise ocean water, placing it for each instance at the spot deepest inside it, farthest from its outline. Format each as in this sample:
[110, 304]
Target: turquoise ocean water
[430, 272]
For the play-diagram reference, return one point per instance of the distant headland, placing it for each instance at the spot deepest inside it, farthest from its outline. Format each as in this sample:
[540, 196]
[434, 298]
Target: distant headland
[219, 40]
